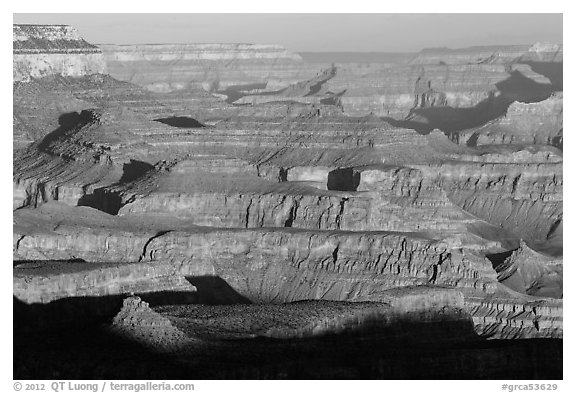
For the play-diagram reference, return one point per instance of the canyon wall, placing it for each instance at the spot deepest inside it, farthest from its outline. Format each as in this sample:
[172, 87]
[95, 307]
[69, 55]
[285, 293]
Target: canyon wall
[228, 191]
[472, 55]
[449, 89]
[212, 67]
[41, 50]
[523, 123]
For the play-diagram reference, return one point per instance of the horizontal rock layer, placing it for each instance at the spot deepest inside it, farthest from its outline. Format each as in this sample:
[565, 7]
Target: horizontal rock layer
[473, 55]
[44, 282]
[486, 79]
[265, 265]
[213, 67]
[41, 50]
[532, 123]
[246, 194]
[282, 258]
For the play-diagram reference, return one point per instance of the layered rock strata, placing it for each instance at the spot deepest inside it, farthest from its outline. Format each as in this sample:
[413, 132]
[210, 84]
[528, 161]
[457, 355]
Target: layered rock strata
[44, 282]
[41, 50]
[530, 272]
[439, 88]
[265, 266]
[238, 196]
[291, 258]
[538, 123]
[414, 183]
[213, 67]
[473, 55]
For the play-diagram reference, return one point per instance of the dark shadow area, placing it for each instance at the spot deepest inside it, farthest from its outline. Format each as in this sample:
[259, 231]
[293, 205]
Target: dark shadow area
[102, 199]
[235, 92]
[516, 87]
[291, 216]
[68, 122]
[88, 310]
[315, 88]
[498, 258]
[343, 179]
[283, 174]
[180, 122]
[554, 227]
[551, 70]
[108, 201]
[444, 348]
[133, 170]
[333, 99]
[473, 140]
[214, 290]
[23, 263]
[558, 141]
[89, 351]
[232, 95]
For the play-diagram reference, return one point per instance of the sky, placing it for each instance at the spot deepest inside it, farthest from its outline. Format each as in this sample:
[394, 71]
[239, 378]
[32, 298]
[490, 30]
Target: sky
[314, 32]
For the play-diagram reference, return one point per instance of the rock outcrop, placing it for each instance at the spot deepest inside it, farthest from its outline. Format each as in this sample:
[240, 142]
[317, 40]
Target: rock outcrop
[538, 123]
[544, 52]
[530, 272]
[263, 266]
[287, 260]
[305, 319]
[41, 50]
[137, 322]
[36, 282]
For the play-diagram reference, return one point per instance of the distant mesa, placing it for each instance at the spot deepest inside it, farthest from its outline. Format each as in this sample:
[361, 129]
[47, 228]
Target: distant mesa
[42, 50]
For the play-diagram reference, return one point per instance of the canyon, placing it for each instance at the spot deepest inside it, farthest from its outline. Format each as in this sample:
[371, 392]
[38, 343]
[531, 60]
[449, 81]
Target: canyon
[241, 211]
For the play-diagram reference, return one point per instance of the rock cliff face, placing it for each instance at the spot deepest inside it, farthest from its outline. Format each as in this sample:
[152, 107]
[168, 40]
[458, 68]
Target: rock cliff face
[450, 89]
[535, 123]
[213, 67]
[473, 55]
[47, 282]
[544, 52]
[265, 265]
[428, 96]
[530, 272]
[393, 91]
[285, 251]
[244, 178]
[236, 196]
[41, 50]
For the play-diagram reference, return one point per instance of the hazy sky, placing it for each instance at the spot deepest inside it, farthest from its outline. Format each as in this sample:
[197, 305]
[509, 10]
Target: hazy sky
[314, 32]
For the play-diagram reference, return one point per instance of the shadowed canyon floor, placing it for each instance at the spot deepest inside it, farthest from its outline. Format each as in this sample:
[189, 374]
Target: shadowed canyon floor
[238, 211]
